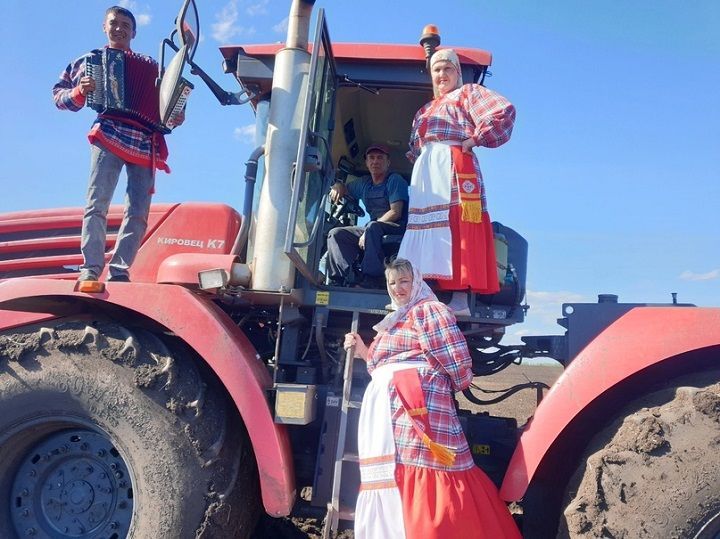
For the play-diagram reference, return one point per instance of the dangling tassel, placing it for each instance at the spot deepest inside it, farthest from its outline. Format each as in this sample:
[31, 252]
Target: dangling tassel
[471, 211]
[444, 455]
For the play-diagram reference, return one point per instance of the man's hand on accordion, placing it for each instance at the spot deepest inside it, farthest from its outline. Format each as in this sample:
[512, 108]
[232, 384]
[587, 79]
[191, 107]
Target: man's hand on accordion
[180, 118]
[86, 84]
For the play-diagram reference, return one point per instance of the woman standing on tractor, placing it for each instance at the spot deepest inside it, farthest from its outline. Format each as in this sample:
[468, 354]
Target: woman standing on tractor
[449, 236]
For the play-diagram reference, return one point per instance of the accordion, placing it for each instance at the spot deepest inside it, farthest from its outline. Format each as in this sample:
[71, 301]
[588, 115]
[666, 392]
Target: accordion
[125, 85]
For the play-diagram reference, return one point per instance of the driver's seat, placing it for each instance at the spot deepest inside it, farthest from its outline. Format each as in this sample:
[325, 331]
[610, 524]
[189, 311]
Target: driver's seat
[391, 244]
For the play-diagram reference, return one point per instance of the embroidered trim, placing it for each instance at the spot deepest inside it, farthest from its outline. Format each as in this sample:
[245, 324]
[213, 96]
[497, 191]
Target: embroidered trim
[378, 486]
[377, 460]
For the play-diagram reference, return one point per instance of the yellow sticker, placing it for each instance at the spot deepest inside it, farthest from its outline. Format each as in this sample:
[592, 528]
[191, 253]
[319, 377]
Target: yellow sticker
[290, 405]
[322, 297]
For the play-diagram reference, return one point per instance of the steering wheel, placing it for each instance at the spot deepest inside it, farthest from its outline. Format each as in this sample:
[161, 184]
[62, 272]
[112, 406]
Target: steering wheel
[346, 206]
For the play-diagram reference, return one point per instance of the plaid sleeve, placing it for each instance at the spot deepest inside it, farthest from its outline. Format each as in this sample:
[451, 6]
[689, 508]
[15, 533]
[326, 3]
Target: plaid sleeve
[65, 92]
[444, 345]
[492, 114]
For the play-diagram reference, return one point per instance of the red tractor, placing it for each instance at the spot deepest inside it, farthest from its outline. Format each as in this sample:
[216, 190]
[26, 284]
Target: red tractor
[214, 387]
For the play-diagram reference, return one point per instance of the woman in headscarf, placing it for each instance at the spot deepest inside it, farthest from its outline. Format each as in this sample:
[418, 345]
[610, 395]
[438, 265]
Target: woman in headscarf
[418, 478]
[449, 234]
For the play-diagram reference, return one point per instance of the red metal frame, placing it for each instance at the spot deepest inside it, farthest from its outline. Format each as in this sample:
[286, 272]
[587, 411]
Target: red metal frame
[202, 228]
[191, 227]
[45, 224]
[368, 52]
[641, 338]
[211, 333]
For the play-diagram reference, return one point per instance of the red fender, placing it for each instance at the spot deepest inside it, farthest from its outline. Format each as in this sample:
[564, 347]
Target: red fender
[642, 337]
[211, 333]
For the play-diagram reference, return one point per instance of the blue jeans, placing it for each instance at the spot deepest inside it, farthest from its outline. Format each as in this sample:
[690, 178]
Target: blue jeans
[105, 169]
[344, 247]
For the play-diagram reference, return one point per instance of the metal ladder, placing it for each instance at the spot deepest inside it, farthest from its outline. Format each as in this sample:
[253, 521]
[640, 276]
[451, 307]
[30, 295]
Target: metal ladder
[335, 513]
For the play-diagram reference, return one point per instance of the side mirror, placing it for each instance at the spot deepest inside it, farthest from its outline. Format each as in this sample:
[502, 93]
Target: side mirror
[188, 27]
[174, 89]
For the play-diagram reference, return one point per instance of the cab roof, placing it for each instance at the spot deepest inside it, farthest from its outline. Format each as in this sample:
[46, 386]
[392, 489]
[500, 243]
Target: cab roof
[371, 64]
[368, 52]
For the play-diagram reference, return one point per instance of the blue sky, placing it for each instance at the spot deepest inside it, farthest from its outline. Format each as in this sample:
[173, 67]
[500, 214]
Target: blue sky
[612, 174]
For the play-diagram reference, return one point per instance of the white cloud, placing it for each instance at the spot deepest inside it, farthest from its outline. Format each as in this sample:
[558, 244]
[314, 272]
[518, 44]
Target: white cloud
[245, 133]
[549, 304]
[692, 276]
[541, 319]
[281, 27]
[226, 26]
[258, 8]
[142, 19]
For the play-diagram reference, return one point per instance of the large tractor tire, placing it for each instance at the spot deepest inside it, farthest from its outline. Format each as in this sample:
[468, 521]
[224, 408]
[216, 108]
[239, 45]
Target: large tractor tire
[106, 433]
[654, 471]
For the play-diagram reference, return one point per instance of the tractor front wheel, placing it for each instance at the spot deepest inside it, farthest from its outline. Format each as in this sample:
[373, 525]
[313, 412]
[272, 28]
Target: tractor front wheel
[104, 432]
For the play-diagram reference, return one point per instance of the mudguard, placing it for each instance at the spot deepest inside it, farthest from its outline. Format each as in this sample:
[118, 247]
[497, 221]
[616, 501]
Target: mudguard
[205, 328]
[641, 338]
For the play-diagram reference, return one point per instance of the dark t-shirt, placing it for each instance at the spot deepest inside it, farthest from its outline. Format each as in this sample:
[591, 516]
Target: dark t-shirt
[377, 198]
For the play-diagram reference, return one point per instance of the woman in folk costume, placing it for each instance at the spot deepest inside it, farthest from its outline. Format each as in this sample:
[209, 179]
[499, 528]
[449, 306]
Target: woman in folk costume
[449, 235]
[418, 478]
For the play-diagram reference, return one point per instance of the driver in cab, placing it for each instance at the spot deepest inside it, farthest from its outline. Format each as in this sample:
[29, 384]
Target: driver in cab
[385, 196]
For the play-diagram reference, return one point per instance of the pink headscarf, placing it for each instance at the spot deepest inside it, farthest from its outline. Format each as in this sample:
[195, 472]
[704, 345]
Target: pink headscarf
[420, 292]
[447, 55]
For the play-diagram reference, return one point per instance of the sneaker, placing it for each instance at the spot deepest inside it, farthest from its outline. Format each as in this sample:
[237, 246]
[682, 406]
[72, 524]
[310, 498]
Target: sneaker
[87, 275]
[119, 278]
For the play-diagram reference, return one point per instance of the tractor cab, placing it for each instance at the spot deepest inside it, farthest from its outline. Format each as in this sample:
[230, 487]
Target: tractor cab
[357, 95]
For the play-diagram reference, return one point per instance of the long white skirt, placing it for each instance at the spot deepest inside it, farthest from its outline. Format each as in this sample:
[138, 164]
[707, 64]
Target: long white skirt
[379, 511]
[427, 242]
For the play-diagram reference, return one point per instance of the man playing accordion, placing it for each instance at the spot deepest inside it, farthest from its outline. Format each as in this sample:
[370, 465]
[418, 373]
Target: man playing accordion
[116, 140]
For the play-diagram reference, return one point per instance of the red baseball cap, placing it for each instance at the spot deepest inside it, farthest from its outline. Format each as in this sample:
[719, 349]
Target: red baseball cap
[378, 148]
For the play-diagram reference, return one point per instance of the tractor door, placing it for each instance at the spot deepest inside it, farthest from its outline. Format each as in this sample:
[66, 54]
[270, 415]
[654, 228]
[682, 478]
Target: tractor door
[314, 171]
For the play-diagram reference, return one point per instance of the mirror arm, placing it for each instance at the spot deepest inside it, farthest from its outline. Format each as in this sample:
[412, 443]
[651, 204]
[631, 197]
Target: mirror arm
[223, 96]
[170, 44]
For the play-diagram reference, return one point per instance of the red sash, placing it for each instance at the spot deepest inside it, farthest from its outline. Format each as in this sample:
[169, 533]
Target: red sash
[407, 384]
[468, 185]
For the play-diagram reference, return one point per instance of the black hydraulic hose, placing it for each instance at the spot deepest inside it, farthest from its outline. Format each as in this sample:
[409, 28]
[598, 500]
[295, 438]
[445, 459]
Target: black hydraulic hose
[251, 167]
[511, 391]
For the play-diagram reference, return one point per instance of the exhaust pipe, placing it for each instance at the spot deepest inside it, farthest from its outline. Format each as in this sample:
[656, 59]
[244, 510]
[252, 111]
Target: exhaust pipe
[272, 269]
[299, 24]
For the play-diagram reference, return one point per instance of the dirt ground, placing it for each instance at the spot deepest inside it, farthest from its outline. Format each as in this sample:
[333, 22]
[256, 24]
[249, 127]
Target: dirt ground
[520, 406]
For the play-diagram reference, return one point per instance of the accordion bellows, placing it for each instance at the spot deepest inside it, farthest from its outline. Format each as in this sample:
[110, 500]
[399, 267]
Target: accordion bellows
[125, 85]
